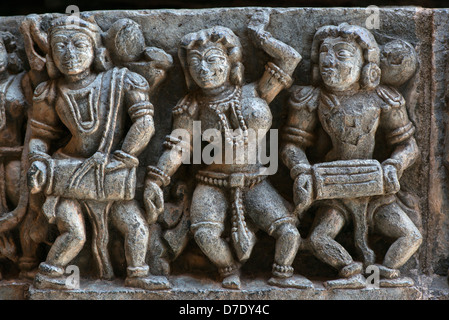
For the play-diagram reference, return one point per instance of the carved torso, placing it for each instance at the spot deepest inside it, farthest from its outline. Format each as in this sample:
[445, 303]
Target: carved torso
[85, 113]
[351, 121]
[256, 116]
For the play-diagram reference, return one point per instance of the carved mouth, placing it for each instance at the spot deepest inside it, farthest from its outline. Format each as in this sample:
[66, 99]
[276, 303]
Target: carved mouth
[328, 70]
[70, 64]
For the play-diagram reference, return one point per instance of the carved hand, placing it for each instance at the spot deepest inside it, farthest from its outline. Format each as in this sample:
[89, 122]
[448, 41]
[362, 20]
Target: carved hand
[153, 199]
[391, 179]
[257, 25]
[302, 193]
[121, 159]
[37, 176]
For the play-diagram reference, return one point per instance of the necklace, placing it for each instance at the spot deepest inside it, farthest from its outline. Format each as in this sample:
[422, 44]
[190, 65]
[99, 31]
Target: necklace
[88, 120]
[234, 103]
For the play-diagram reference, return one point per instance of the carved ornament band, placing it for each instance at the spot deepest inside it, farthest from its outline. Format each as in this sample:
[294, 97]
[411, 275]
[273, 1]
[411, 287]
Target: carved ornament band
[279, 74]
[157, 175]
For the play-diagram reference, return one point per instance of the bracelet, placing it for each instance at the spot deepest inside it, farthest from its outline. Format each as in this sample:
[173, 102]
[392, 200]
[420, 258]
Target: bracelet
[156, 174]
[300, 169]
[126, 158]
[282, 271]
[279, 74]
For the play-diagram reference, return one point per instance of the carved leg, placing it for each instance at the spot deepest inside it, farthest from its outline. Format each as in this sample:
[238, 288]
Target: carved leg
[127, 217]
[33, 231]
[70, 223]
[208, 211]
[393, 222]
[328, 223]
[267, 210]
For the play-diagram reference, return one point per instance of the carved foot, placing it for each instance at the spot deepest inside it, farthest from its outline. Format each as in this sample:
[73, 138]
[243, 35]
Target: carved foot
[397, 282]
[52, 277]
[231, 282]
[388, 273]
[296, 281]
[355, 282]
[351, 270]
[148, 283]
[42, 281]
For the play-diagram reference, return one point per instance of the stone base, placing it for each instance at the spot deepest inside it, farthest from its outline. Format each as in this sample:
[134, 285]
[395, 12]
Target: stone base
[188, 288]
[14, 290]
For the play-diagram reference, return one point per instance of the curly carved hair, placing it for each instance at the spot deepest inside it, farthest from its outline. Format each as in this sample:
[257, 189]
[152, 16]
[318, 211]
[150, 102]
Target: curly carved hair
[371, 73]
[219, 35]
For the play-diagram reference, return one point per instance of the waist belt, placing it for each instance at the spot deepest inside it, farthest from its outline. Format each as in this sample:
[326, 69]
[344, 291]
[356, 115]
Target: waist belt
[243, 238]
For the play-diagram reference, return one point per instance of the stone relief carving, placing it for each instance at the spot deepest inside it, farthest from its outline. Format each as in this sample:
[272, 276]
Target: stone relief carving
[77, 116]
[94, 172]
[211, 60]
[13, 115]
[349, 103]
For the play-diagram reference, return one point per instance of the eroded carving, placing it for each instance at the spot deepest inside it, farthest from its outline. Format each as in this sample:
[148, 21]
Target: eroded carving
[92, 170]
[218, 97]
[349, 103]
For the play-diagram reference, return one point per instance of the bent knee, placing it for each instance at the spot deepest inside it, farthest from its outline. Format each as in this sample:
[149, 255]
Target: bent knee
[287, 230]
[205, 234]
[77, 237]
[415, 237]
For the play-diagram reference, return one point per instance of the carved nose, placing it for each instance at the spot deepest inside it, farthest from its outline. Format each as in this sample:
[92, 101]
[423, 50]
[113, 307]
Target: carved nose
[203, 68]
[70, 51]
[329, 60]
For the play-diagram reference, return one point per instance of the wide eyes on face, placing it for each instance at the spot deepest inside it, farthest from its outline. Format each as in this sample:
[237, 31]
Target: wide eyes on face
[215, 58]
[344, 54]
[342, 51]
[81, 44]
[60, 45]
[210, 57]
[194, 60]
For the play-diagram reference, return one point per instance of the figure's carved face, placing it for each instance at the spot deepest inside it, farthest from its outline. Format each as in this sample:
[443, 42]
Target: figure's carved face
[73, 51]
[340, 63]
[209, 66]
[3, 56]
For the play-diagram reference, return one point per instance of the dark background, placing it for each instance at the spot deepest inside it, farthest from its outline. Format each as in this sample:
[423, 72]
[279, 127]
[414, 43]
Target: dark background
[24, 7]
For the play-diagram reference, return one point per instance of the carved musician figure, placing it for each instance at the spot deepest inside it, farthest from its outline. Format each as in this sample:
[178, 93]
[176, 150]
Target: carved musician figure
[83, 156]
[349, 185]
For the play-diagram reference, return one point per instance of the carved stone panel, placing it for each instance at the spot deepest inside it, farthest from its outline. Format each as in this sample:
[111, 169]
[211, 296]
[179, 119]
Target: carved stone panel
[220, 153]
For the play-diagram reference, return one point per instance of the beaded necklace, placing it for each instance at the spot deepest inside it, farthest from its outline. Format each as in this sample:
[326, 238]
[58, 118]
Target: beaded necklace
[233, 102]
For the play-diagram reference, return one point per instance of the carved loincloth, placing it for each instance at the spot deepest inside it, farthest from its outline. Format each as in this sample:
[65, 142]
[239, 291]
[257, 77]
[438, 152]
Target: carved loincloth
[242, 237]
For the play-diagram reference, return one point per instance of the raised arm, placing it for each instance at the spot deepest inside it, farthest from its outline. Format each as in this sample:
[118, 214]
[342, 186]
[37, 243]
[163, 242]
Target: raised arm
[285, 59]
[177, 147]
